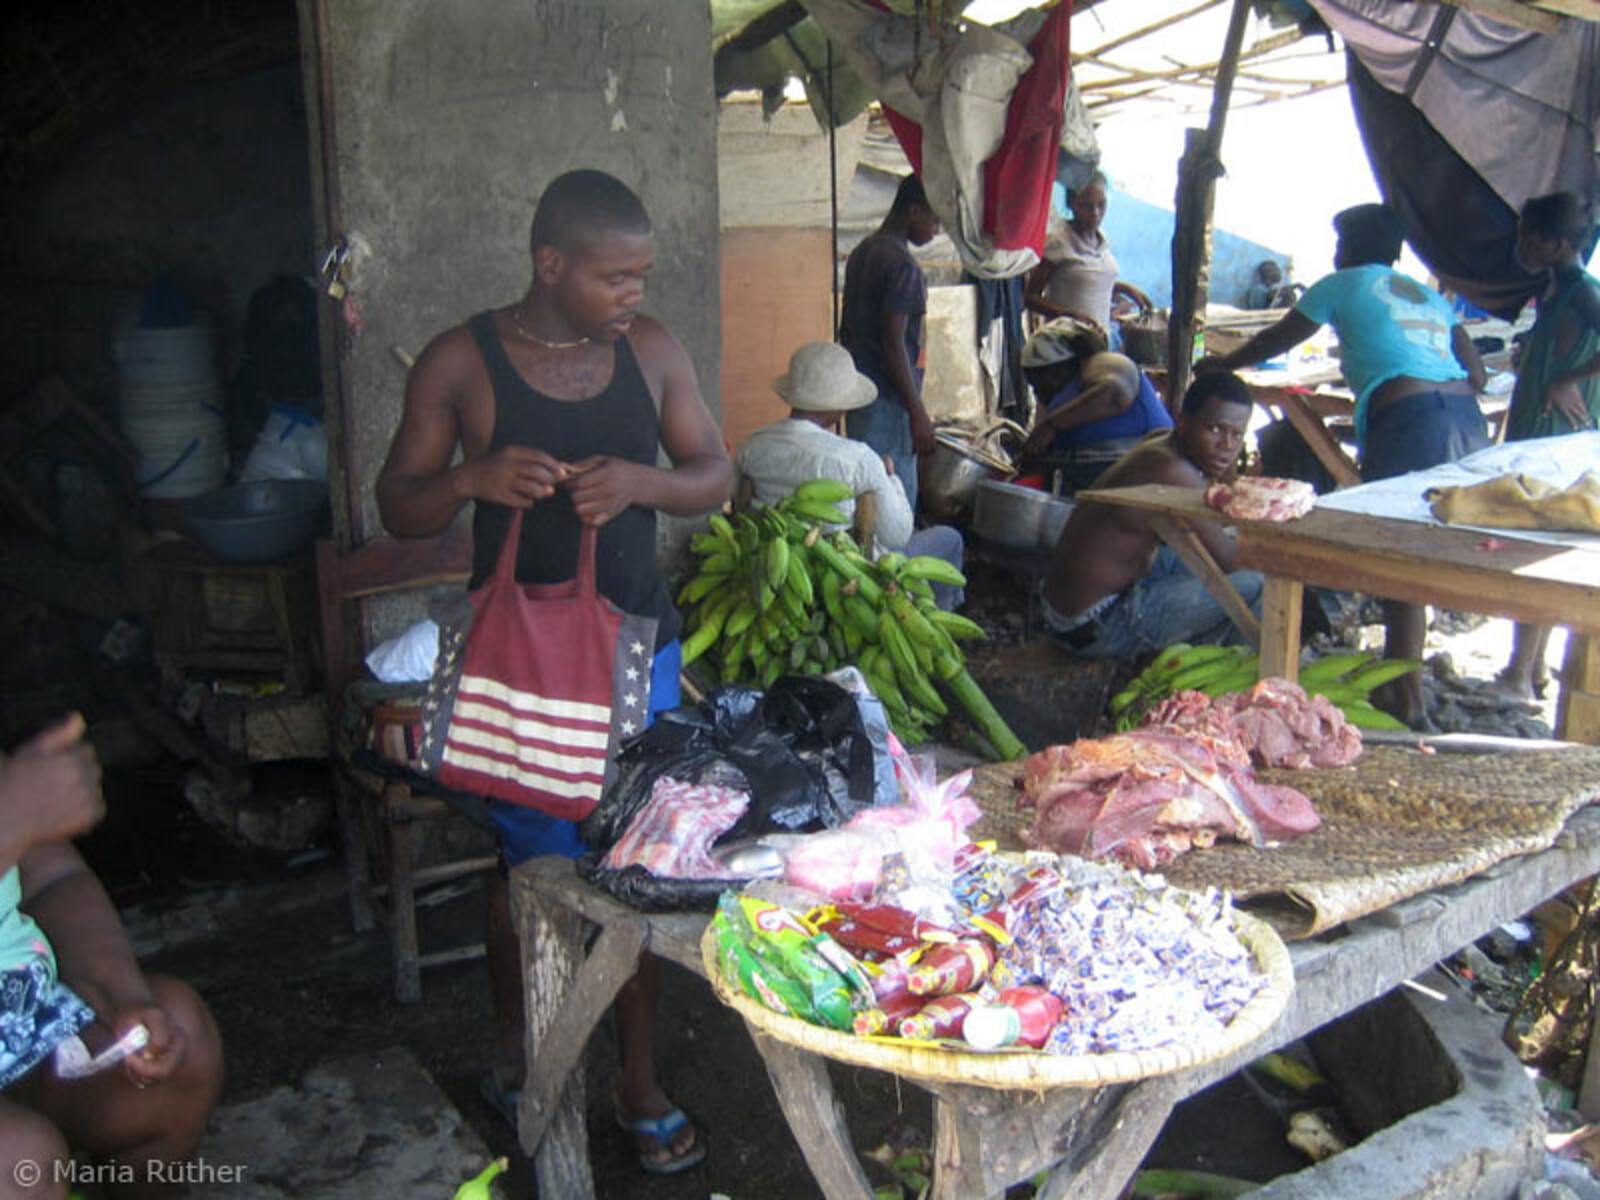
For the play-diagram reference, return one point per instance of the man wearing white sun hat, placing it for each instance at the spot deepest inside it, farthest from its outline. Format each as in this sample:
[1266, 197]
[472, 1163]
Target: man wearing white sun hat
[821, 385]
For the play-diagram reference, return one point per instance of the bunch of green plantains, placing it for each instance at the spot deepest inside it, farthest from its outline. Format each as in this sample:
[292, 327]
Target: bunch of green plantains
[775, 594]
[1347, 680]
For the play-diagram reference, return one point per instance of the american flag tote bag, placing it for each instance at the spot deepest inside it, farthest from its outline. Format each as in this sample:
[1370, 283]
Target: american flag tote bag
[535, 687]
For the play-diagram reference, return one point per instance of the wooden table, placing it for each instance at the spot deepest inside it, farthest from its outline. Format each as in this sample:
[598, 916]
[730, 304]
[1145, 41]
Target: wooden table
[1295, 395]
[1401, 560]
[1091, 1140]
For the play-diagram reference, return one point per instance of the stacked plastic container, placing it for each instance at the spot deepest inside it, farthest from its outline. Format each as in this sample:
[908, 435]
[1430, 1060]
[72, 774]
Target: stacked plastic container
[171, 408]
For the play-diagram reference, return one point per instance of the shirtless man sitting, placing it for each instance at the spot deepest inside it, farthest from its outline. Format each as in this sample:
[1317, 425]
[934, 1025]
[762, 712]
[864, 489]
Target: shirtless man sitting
[1114, 590]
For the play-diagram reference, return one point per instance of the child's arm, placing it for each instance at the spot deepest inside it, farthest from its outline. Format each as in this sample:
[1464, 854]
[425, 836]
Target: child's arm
[94, 956]
[49, 791]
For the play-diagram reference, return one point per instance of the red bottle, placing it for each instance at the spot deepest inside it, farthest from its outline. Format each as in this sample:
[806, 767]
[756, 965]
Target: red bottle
[955, 967]
[939, 1018]
[1020, 1016]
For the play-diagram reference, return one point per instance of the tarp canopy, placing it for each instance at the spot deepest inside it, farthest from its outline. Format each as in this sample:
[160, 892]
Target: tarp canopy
[1464, 116]
[1465, 119]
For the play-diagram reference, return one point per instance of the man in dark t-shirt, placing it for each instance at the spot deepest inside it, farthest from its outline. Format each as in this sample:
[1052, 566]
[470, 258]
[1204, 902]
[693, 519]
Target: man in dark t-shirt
[885, 300]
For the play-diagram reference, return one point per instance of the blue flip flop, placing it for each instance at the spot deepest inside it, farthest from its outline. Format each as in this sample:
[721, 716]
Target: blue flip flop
[660, 1131]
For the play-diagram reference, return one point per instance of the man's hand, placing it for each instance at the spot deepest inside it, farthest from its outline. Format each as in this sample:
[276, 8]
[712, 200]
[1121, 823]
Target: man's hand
[1567, 399]
[602, 487]
[921, 430]
[1039, 440]
[50, 788]
[515, 476]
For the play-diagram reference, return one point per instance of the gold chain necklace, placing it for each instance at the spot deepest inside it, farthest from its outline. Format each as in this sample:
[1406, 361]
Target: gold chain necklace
[516, 320]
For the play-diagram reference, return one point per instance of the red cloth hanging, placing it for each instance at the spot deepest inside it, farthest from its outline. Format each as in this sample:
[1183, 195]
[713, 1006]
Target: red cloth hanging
[1019, 176]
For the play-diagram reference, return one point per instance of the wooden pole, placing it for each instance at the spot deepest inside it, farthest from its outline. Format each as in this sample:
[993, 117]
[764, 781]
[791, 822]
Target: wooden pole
[1191, 240]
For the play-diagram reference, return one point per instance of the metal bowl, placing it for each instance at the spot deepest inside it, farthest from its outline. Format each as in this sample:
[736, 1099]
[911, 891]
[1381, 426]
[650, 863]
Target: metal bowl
[260, 520]
[947, 479]
[1021, 518]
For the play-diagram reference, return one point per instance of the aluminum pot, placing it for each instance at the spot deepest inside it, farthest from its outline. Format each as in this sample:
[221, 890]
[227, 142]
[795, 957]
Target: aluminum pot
[1019, 518]
[948, 479]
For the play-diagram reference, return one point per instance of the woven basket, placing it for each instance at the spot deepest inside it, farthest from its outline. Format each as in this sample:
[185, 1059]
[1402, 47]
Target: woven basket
[1144, 339]
[1026, 1069]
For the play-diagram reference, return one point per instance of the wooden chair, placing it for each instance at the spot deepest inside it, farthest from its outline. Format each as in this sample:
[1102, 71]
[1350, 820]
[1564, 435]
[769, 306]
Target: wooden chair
[380, 802]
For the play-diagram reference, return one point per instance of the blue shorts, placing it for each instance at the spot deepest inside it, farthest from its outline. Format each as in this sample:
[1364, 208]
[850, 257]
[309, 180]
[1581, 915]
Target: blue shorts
[37, 1014]
[1416, 432]
[528, 833]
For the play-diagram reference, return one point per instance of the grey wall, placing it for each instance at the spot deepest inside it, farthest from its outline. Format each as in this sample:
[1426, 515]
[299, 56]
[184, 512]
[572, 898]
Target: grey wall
[206, 185]
[449, 120]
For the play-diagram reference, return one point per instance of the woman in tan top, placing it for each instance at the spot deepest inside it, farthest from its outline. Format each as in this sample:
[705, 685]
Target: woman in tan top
[1078, 277]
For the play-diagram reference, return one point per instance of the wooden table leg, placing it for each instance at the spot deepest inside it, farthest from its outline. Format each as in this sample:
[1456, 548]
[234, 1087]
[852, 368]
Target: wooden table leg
[1103, 1158]
[1323, 444]
[1578, 712]
[551, 937]
[800, 1080]
[1281, 601]
[1186, 544]
[1090, 1139]
[611, 963]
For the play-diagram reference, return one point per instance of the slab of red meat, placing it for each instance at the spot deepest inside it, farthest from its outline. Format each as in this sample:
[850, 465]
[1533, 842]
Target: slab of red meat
[1142, 797]
[1284, 727]
[1274, 720]
[1148, 796]
[1262, 498]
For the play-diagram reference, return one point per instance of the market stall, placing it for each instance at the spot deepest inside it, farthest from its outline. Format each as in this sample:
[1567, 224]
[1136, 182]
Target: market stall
[1090, 1132]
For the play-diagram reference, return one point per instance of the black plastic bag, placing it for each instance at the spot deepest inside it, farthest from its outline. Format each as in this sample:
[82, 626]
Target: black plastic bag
[810, 753]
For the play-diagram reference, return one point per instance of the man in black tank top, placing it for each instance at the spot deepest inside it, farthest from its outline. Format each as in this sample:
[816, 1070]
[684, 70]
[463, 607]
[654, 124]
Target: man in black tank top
[559, 404]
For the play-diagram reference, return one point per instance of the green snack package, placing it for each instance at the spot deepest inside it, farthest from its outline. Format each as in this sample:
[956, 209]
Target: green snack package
[784, 942]
[770, 988]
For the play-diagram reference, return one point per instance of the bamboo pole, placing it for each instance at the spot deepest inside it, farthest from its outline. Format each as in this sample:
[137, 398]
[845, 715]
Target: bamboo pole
[1191, 240]
[1146, 30]
[1132, 75]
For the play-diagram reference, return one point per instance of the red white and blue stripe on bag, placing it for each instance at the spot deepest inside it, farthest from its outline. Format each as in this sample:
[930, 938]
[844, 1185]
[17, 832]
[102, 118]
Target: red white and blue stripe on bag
[555, 746]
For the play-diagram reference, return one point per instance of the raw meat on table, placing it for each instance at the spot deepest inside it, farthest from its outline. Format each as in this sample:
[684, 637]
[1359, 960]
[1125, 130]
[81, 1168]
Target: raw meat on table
[1148, 796]
[1262, 498]
[1276, 722]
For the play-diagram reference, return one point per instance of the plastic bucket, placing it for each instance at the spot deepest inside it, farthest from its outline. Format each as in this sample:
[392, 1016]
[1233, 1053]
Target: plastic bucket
[179, 436]
[183, 354]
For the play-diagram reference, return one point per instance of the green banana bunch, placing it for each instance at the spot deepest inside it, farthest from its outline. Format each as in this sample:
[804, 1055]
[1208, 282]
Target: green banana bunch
[1347, 680]
[775, 591]
[1213, 670]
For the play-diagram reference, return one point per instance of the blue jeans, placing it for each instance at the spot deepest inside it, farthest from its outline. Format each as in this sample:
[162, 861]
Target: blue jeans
[886, 427]
[1416, 432]
[528, 833]
[1169, 604]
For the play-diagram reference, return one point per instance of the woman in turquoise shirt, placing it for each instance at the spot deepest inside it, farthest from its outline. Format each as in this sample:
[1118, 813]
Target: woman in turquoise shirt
[1416, 375]
[67, 969]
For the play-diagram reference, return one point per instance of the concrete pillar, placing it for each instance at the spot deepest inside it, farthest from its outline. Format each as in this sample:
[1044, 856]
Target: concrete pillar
[442, 122]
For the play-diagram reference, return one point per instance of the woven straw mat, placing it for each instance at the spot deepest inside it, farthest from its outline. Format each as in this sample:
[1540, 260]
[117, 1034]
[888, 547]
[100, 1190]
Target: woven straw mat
[1395, 824]
[1030, 1070]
